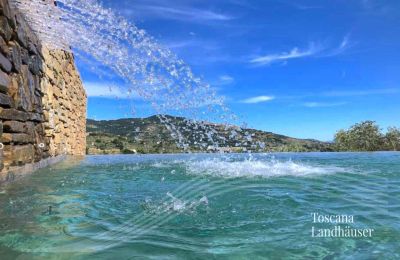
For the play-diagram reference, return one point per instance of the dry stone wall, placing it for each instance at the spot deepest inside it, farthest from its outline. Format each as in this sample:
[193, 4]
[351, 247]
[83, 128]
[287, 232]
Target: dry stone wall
[42, 100]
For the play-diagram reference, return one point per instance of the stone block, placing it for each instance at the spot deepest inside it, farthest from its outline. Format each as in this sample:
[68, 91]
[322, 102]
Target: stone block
[5, 64]
[8, 138]
[32, 48]
[5, 101]
[15, 56]
[18, 127]
[35, 64]
[13, 114]
[36, 117]
[5, 29]
[21, 154]
[4, 82]
[3, 46]
[22, 35]
[24, 56]
[22, 90]
[6, 10]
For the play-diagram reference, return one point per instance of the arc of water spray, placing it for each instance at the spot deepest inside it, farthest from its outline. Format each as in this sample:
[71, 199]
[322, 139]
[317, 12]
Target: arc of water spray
[90, 29]
[153, 72]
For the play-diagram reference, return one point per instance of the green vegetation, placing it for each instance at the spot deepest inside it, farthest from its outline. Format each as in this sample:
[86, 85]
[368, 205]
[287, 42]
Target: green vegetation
[367, 136]
[150, 135]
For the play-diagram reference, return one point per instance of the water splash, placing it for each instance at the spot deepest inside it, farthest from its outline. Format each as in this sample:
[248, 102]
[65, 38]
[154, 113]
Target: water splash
[250, 167]
[174, 204]
[151, 71]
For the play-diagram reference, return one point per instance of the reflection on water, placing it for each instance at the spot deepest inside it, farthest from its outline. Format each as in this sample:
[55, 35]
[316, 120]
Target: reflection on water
[202, 206]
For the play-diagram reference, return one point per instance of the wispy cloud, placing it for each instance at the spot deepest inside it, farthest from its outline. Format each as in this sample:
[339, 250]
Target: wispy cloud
[313, 50]
[323, 104]
[225, 80]
[344, 45]
[180, 13]
[367, 92]
[258, 99]
[204, 44]
[295, 53]
[103, 90]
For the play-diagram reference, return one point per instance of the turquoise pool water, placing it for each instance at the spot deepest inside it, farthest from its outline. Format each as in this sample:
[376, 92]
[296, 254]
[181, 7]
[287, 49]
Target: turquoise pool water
[204, 207]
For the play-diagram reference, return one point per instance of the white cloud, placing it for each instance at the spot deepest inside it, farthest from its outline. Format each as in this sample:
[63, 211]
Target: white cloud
[344, 45]
[295, 53]
[179, 13]
[258, 99]
[225, 80]
[323, 104]
[313, 50]
[193, 43]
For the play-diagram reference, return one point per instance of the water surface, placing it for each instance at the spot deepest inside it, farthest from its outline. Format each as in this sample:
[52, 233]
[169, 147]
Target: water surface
[203, 207]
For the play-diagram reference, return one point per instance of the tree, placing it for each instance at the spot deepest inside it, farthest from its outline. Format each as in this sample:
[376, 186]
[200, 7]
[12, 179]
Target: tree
[364, 136]
[392, 139]
[118, 143]
[342, 140]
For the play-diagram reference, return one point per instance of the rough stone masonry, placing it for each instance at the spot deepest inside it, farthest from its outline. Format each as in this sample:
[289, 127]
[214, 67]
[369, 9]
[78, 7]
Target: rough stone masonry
[42, 100]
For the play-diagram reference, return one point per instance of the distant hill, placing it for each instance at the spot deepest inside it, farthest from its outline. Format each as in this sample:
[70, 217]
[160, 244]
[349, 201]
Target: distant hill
[153, 135]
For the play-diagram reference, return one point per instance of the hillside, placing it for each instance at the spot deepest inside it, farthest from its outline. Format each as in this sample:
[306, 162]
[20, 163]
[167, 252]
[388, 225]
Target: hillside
[153, 135]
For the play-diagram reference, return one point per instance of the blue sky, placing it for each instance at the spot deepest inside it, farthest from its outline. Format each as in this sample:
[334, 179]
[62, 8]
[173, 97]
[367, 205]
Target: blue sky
[299, 68]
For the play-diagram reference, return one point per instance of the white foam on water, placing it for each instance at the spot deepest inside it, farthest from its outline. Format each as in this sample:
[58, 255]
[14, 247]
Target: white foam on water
[257, 168]
[160, 164]
[175, 204]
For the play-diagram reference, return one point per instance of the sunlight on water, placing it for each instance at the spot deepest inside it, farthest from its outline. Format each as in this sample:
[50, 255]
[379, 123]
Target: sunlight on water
[122, 206]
